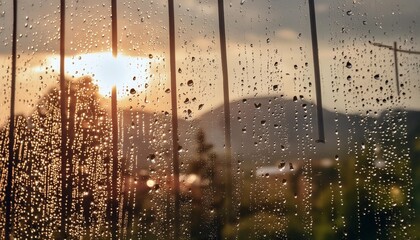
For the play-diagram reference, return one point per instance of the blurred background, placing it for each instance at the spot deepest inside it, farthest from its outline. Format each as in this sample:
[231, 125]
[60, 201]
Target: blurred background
[274, 181]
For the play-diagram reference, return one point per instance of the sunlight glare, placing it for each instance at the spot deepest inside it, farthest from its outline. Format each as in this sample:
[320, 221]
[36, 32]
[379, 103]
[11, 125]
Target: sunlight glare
[124, 72]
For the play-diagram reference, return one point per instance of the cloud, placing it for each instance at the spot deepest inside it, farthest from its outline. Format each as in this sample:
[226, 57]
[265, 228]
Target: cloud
[287, 34]
[143, 29]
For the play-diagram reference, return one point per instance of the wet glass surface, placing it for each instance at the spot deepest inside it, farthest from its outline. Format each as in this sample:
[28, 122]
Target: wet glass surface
[191, 148]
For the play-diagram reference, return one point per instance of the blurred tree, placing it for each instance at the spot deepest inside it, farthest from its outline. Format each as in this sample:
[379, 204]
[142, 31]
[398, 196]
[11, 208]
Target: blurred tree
[206, 193]
[37, 181]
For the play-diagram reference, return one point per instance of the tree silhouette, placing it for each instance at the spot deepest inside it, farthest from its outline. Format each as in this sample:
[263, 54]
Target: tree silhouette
[207, 193]
[36, 177]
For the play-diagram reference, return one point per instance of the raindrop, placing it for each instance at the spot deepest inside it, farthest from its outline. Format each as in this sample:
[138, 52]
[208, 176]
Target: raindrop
[257, 105]
[190, 83]
[282, 165]
[349, 65]
[151, 156]
[133, 91]
[349, 77]
[179, 70]
[291, 166]
[376, 76]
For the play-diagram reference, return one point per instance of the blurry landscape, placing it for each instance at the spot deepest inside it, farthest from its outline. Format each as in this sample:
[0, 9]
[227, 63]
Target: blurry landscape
[277, 182]
[363, 183]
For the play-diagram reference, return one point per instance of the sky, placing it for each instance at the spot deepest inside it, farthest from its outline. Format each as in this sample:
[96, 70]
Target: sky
[269, 52]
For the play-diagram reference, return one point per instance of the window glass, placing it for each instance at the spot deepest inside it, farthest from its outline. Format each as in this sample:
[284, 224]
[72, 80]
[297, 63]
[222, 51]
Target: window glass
[312, 133]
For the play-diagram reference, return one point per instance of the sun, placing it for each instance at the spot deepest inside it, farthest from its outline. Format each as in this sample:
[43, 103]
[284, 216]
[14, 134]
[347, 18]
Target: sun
[129, 74]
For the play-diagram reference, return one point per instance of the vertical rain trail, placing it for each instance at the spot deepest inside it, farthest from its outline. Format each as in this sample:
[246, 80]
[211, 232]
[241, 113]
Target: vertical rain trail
[321, 136]
[226, 104]
[11, 162]
[397, 77]
[114, 204]
[63, 112]
[175, 144]
[114, 117]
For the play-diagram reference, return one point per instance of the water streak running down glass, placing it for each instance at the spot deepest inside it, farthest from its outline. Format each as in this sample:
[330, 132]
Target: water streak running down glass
[203, 119]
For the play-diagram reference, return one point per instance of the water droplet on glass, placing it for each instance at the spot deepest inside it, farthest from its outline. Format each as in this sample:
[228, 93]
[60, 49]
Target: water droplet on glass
[291, 166]
[282, 165]
[349, 65]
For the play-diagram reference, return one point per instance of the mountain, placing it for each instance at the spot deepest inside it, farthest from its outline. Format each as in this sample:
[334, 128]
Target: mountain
[265, 131]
